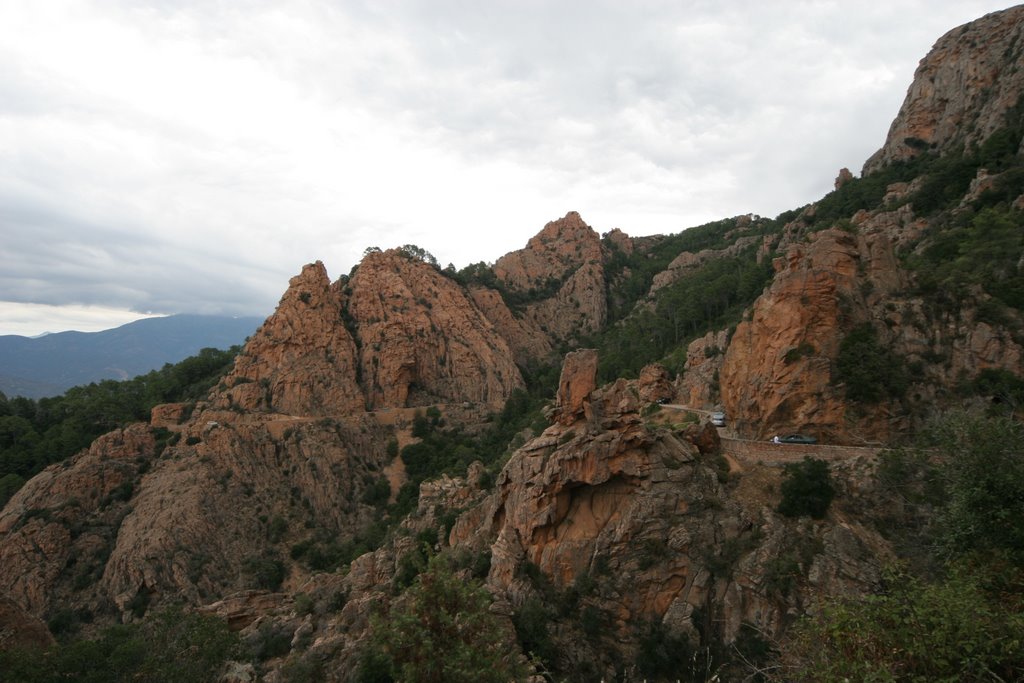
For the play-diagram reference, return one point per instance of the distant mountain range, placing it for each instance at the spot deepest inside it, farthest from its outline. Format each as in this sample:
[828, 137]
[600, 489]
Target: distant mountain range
[51, 364]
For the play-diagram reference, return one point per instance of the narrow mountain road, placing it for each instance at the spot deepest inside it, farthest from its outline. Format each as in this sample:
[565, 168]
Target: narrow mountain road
[766, 452]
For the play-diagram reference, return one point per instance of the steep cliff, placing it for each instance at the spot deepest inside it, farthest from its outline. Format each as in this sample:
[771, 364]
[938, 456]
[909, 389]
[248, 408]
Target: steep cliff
[398, 334]
[302, 360]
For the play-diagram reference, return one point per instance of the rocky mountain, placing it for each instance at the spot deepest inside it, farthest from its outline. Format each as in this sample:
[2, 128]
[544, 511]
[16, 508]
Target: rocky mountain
[394, 413]
[962, 92]
[50, 365]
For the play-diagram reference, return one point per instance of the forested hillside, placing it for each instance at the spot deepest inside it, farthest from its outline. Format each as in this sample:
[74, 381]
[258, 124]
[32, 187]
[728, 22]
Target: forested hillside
[37, 433]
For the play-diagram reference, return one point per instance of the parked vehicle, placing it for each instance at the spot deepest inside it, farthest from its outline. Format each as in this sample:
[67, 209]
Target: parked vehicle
[795, 438]
[718, 418]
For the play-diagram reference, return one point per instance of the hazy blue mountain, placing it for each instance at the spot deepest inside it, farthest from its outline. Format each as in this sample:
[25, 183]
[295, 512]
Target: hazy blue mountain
[49, 365]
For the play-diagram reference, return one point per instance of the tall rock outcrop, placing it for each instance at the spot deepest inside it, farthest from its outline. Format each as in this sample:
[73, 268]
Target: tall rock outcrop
[577, 381]
[302, 360]
[961, 91]
[422, 340]
[698, 384]
[557, 282]
[398, 334]
[634, 521]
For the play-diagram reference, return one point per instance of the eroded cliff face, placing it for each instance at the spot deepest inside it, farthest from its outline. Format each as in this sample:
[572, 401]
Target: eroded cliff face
[698, 385]
[961, 91]
[628, 519]
[399, 334]
[528, 342]
[777, 370]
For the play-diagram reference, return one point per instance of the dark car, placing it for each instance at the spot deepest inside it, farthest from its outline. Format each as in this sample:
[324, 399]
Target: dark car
[795, 438]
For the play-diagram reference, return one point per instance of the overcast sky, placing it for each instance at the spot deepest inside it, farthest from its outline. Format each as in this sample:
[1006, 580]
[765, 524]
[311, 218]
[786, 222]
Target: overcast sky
[190, 156]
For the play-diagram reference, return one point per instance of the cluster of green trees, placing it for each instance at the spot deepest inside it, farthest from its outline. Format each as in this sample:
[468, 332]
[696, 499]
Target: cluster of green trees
[806, 489]
[981, 249]
[954, 611]
[36, 433]
[630, 276]
[709, 298]
[170, 646]
[870, 370]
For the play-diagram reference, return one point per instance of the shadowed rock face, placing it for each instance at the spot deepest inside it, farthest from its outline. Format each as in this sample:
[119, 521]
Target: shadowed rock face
[19, 629]
[961, 91]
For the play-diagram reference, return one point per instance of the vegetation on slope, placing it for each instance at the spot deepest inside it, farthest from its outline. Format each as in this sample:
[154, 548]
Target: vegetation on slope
[37, 433]
[441, 448]
[955, 610]
[709, 298]
[630, 276]
[441, 630]
[171, 646]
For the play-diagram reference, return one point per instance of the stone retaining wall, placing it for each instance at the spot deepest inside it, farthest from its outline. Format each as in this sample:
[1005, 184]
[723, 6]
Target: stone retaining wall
[781, 453]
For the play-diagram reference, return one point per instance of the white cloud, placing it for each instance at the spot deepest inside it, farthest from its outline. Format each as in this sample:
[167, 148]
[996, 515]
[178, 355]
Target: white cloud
[30, 320]
[190, 157]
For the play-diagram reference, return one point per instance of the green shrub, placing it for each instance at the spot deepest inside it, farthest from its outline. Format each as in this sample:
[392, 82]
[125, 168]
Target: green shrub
[531, 623]
[170, 646]
[9, 485]
[806, 489]
[377, 492]
[277, 528]
[441, 631]
[798, 352]
[870, 371]
[957, 629]
[662, 654]
[303, 604]
[265, 571]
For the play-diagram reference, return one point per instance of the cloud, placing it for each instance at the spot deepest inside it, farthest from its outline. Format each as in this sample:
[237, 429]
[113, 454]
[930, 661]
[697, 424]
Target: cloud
[191, 156]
